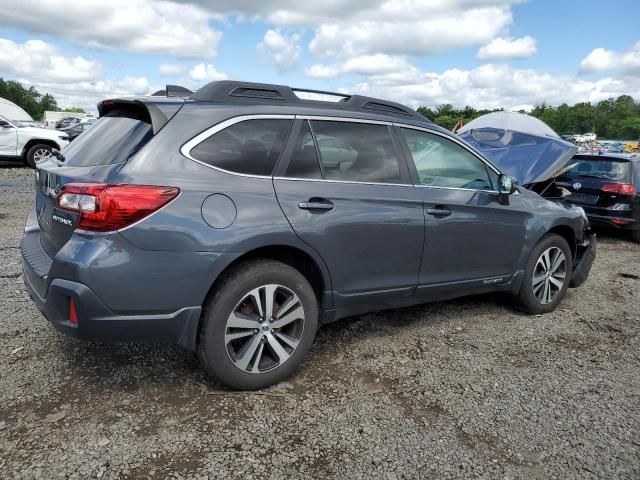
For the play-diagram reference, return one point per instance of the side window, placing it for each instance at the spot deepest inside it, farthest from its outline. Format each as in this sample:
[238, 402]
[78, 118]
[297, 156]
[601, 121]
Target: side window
[356, 152]
[251, 147]
[442, 163]
[304, 158]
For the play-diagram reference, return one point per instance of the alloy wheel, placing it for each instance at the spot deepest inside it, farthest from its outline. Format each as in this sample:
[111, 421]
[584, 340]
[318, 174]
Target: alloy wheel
[264, 329]
[41, 154]
[549, 275]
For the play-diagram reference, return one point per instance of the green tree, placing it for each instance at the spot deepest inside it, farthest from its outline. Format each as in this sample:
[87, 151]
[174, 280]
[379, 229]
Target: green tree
[32, 101]
[613, 118]
[74, 110]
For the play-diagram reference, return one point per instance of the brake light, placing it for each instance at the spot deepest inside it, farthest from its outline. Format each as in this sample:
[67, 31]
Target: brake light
[105, 208]
[619, 188]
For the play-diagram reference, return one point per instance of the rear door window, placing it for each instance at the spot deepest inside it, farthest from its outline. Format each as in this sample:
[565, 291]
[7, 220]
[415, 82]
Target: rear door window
[357, 152]
[304, 157]
[112, 139]
[251, 147]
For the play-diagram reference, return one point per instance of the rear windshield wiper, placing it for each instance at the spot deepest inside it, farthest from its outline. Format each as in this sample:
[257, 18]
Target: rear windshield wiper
[593, 176]
[58, 154]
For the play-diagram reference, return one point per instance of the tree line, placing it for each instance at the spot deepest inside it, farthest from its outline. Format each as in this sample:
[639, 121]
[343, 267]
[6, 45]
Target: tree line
[30, 100]
[614, 118]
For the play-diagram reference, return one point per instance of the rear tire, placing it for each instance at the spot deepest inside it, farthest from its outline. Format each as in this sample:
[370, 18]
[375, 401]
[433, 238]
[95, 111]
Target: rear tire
[546, 277]
[37, 153]
[249, 342]
[635, 236]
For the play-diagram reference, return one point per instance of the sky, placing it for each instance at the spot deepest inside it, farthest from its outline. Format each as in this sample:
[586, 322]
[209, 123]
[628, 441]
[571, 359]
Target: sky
[483, 53]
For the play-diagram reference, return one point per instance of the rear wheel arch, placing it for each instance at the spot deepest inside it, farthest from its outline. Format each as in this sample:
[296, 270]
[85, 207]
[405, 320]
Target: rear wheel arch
[312, 269]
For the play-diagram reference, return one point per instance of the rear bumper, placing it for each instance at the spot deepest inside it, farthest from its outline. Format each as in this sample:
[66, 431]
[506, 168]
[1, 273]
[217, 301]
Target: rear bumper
[585, 255]
[96, 321]
[612, 221]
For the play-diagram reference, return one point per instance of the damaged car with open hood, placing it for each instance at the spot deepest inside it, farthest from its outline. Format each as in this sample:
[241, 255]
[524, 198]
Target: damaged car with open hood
[234, 221]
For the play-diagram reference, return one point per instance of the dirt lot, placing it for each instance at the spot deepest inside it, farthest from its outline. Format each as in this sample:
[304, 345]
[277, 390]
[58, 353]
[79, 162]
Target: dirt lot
[463, 389]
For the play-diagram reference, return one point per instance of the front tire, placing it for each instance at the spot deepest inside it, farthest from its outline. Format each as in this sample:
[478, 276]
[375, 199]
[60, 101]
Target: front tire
[38, 153]
[547, 276]
[258, 325]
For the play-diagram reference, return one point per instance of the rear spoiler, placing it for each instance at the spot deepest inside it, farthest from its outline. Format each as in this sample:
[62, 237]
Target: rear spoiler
[154, 111]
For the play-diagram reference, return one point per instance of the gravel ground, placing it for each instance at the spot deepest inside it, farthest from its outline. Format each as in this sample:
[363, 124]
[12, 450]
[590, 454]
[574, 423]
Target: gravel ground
[462, 389]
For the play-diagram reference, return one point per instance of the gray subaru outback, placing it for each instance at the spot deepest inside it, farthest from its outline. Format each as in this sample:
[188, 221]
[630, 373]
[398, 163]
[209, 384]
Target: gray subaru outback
[235, 221]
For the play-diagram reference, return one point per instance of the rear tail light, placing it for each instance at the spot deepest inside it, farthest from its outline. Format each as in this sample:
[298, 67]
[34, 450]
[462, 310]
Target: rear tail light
[105, 208]
[619, 188]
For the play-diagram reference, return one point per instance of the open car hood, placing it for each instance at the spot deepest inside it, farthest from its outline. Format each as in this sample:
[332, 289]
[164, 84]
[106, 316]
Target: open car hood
[521, 146]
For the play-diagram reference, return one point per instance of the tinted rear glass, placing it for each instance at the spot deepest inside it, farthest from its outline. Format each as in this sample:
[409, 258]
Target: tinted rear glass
[357, 152]
[111, 140]
[251, 147]
[602, 168]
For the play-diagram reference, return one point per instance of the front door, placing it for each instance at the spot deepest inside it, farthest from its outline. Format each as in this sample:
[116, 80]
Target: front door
[348, 197]
[473, 235]
[8, 139]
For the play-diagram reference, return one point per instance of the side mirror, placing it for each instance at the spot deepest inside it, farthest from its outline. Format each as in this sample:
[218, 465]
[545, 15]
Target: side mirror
[506, 185]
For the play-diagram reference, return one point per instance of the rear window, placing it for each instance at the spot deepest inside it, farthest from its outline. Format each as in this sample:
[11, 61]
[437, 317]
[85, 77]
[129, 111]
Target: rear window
[608, 169]
[251, 147]
[112, 139]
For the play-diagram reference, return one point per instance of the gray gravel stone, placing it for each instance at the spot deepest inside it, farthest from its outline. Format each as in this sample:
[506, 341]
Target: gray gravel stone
[464, 389]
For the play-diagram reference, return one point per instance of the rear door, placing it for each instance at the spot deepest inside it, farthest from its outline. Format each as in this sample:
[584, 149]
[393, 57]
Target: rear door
[349, 197]
[472, 234]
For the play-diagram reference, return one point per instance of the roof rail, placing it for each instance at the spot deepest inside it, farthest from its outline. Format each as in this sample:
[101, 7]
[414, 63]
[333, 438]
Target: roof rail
[228, 90]
[173, 91]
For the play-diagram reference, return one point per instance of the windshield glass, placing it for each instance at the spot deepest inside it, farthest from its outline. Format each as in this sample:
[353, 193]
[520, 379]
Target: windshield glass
[602, 168]
[110, 140]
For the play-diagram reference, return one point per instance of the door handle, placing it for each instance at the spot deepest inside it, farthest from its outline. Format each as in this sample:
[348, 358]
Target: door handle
[439, 212]
[316, 205]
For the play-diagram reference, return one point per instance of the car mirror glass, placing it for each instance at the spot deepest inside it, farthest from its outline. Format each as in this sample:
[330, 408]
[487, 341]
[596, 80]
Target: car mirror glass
[506, 185]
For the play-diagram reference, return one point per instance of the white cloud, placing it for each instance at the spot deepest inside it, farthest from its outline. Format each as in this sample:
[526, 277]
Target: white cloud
[506, 48]
[145, 26]
[395, 27]
[412, 34]
[86, 94]
[171, 69]
[376, 64]
[38, 59]
[205, 73]
[601, 60]
[491, 86]
[283, 50]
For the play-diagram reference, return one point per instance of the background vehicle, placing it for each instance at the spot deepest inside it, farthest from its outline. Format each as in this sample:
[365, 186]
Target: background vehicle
[77, 129]
[239, 230]
[29, 144]
[67, 122]
[632, 147]
[607, 187]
